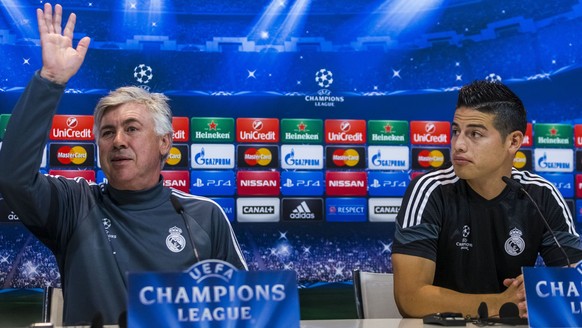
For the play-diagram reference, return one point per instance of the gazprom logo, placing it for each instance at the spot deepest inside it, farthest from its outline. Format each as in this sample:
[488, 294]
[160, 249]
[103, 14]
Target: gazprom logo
[388, 158]
[554, 160]
[302, 157]
[209, 156]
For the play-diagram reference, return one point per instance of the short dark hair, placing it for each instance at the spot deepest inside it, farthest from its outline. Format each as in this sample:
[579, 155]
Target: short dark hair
[497, 99]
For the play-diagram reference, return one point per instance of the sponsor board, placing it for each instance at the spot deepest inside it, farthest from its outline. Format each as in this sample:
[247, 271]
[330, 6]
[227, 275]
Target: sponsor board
[257, 156]
[181, 129]
[72, 128]
[101, 178]
[88, 175]
[345, 183]
[429, 158]
[385, 132]
[523, 160]
[387, 183]
[578, 185]
[430, 133]
[212, 129]
[302, 209]
[303, 131]
[383, 209]
[212, 183]
[554, 160]
[72, 155]
[227, 205]
[302, 183]
[258, 209]
[258, 183]
[388, 158]
[179, 180]
[577, 135]
[345, 157]
[178, 158]
[553, 135]
[578, 160]
[563, 182]
[346, 209]
[528, 137]
[257, 130]
[301, 157]
[4, 118]
[578, 213]
[345, 131]
[212, 156]
[6, 215]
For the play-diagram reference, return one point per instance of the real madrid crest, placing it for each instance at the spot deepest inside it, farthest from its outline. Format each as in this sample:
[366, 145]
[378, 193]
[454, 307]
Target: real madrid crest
[175, 241]
[514, 245]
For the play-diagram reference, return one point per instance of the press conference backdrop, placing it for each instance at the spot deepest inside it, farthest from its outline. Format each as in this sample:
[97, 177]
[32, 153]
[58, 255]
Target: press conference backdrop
[304, 119]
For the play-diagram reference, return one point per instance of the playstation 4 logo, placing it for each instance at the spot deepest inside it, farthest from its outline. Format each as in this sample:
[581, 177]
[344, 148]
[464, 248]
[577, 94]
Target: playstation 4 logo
[302, 183]
[212, 183]
[392, 184]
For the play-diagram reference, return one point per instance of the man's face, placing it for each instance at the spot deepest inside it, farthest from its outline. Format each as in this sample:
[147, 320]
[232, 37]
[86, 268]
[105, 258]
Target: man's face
[130, 152]
[477, 149]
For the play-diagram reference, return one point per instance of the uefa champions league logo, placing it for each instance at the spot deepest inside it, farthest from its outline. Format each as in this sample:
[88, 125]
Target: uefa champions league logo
[324, 79]
[143, 73]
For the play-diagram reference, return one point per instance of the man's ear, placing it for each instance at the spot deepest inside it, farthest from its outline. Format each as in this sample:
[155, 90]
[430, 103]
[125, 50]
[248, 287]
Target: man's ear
[514, 140]
[165, 143]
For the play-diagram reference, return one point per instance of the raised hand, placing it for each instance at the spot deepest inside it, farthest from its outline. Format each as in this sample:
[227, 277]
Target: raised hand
[60, 61]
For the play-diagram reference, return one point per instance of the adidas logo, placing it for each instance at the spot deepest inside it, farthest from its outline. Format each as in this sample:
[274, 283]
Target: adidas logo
[302, 211]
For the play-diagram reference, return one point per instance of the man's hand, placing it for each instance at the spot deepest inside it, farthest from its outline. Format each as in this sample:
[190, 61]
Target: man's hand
[60, 61]
[516, 292]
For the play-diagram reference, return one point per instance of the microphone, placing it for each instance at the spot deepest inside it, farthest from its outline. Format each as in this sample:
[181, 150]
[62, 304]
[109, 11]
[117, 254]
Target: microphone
[508, 315]
[180, 209]
[122, 320]
[518, 187]
[97, 321]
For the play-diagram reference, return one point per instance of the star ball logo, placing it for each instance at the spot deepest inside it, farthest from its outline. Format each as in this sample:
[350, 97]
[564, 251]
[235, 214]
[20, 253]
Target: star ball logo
[143, 73]
[324, 79]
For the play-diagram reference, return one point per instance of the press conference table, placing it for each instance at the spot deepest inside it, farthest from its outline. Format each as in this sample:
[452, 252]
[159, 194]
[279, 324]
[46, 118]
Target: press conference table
[360, 323]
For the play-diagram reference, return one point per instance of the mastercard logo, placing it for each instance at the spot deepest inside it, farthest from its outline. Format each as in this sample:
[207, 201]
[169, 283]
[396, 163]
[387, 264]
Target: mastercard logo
[433, 158]
[72, 155]
[174, 157]
[261, 156]
[346, 157]
[520, 160]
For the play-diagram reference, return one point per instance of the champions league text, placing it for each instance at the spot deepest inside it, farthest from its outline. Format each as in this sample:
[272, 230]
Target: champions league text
[561, 289]
[208, 295]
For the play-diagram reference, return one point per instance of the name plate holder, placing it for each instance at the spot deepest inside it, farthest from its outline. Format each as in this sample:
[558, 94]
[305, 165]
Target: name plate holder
[554, 296]
[213, 293]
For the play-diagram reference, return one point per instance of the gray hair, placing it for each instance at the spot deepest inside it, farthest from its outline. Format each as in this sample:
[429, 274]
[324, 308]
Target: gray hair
[155, 103]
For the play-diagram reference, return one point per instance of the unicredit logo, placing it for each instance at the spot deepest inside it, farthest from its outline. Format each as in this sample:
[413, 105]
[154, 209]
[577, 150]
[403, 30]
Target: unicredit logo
[430, 133]
[72, 122]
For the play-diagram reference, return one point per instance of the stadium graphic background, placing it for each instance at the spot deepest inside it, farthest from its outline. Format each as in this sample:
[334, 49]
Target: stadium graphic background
[322, 62]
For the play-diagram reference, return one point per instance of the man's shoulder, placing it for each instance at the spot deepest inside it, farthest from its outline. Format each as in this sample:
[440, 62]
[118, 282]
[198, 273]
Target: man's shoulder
[436, 179]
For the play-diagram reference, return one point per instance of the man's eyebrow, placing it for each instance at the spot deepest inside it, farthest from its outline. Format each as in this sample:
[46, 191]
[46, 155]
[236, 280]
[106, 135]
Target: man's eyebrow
[474, 126]
[126, 122]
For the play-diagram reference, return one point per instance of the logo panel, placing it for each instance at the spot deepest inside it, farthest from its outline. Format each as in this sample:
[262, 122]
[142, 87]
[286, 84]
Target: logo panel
[181, 130]
[73, 155]
[387, 183]
[554, 160]
[383, 132]
[88, 175]
[299, 157]
[258, 183]
[383, 209]
[553, 135]
[6, 214]
[578, 185]
[302, 183]
[179, 180]
[564, 183]
[72, 128]
[227, 205]
[4, 118]
[430, 133]
[212, 129]
[209, 156]
[579, 160]
[258, 156]
[345, 131]
[212, 183]
[178, 158]
[528, 137]
[346, 209]
[304, 131]
[577, 134]
[523, 160]
[257, 130]
[302, 209]
[388, 158]
[258, 209]
[346, 183]
[429, 158]
[345, 157]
